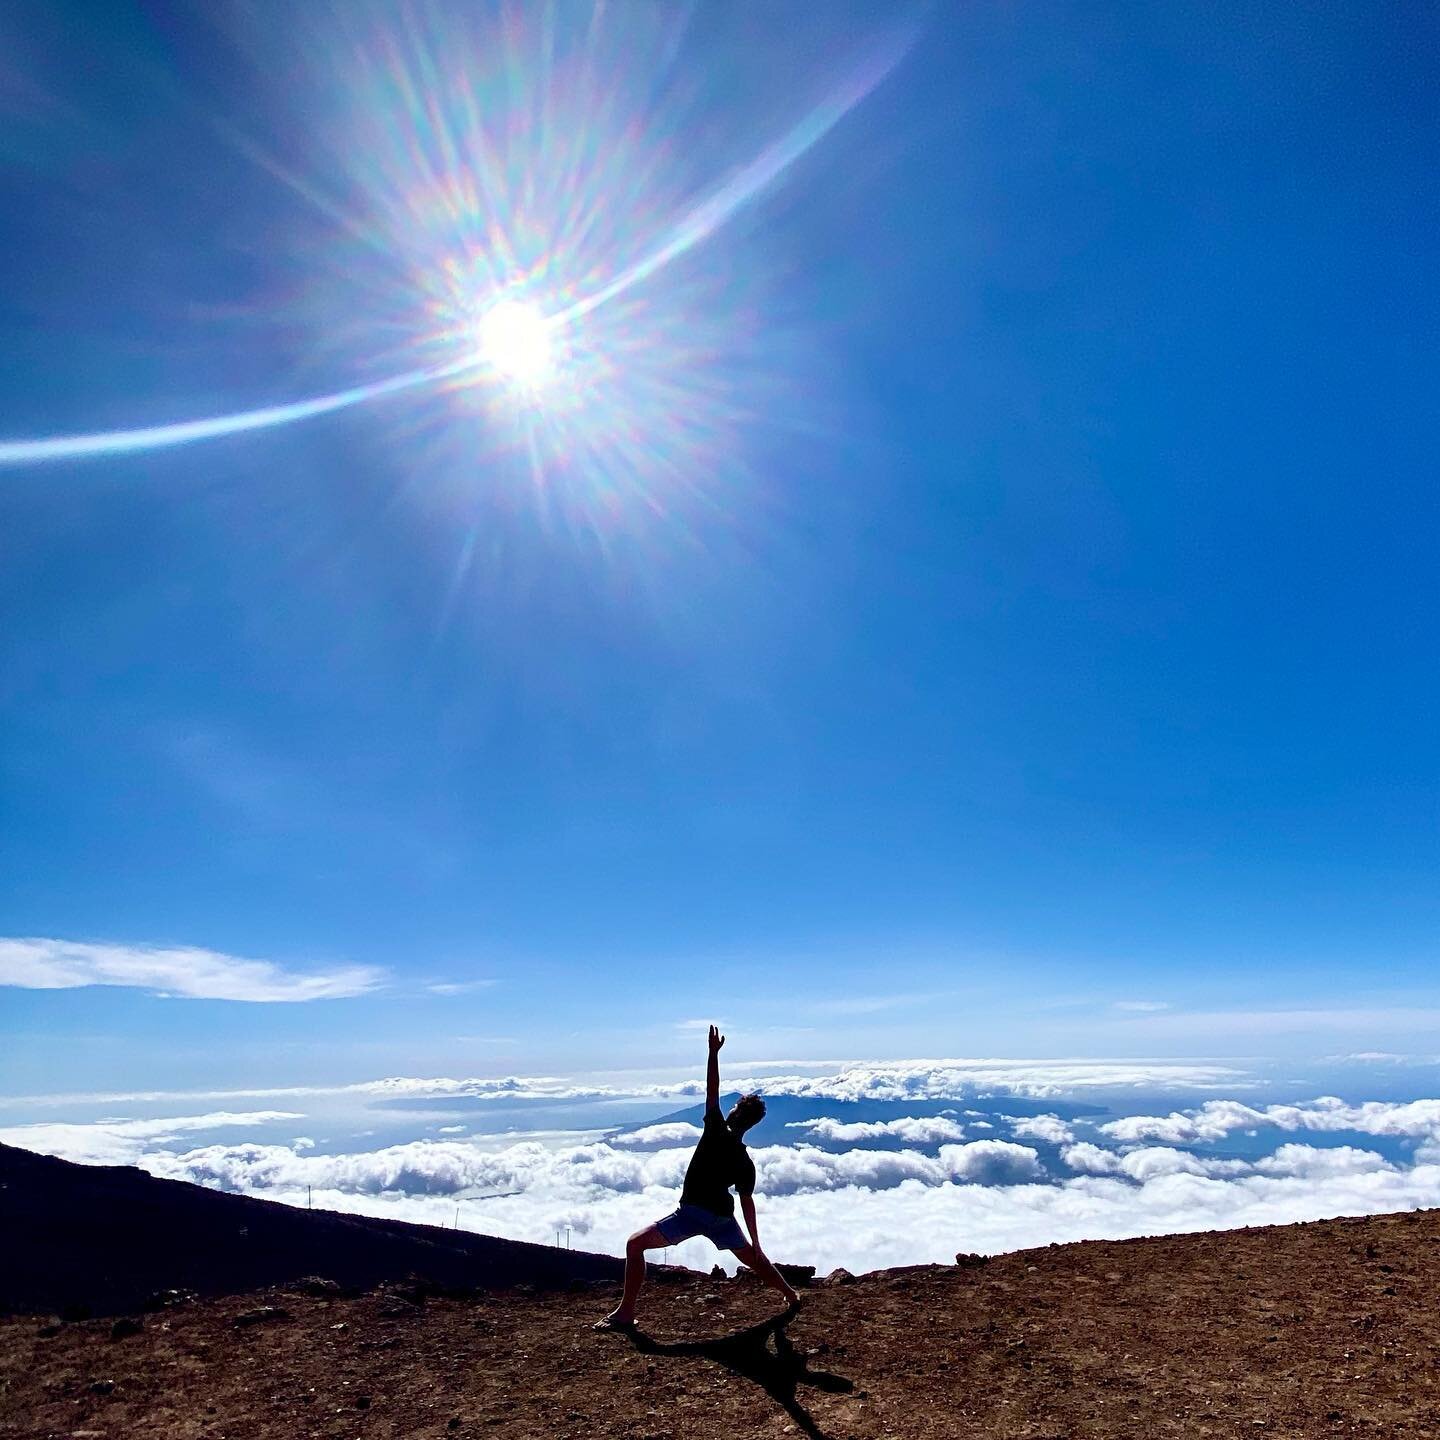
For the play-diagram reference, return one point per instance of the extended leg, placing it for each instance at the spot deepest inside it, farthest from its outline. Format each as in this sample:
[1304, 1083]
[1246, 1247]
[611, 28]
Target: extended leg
[635, 1248]
[759, 1262]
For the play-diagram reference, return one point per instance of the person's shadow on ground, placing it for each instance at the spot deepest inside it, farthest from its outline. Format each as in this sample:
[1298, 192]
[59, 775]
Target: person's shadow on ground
[747, 1352]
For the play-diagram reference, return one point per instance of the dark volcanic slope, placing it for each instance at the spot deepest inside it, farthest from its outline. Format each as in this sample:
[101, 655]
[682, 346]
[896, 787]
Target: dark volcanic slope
[107, 1237]
[1307, 1330]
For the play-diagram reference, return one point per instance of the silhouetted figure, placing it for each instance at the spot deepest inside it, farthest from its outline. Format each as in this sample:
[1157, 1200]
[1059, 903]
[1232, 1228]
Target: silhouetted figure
[706, 1206]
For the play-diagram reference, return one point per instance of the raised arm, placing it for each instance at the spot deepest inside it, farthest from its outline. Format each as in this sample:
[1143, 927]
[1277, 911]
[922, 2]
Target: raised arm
[712, 1072]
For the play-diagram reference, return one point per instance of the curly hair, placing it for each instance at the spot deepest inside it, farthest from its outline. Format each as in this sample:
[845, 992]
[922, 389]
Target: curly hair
[748, 1110]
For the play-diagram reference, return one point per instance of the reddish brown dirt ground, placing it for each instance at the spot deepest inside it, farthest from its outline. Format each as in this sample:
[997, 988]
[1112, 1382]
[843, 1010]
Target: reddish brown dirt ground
[1307, 1330]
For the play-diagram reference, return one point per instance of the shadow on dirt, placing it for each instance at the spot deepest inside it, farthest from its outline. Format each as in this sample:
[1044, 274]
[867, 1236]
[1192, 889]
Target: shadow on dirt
[778, 1370]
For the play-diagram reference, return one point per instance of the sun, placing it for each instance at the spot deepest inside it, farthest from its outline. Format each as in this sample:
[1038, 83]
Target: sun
[514, 340]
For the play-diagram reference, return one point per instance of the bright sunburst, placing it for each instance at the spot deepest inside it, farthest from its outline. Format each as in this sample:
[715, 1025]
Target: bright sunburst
[514, 339]
[505, 207]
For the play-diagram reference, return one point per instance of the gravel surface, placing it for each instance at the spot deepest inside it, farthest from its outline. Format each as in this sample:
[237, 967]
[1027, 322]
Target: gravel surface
[1305, 1330]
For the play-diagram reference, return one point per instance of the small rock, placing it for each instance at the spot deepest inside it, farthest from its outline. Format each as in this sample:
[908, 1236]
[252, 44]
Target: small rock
[261, 1315]
[101, 1387]
[125, 1326]
[839, 1277]
[967, 1259]
[168, 1299]
[317, 1285]
[49, 1328]
[710, 1298]
[453, 1423]
[362, 1402]
[797, 1274]
[717, 1272]
[341, 1326]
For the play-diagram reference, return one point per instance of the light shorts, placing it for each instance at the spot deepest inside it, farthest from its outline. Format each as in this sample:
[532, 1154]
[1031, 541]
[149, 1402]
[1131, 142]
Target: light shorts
[722, 1231]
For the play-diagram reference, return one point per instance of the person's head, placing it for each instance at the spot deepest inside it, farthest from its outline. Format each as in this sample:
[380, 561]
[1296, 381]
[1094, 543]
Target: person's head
[748, 1110]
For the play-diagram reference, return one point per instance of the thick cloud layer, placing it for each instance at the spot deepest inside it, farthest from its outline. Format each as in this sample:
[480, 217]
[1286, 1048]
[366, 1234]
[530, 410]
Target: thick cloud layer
[861, 1208]
[859, 1193]
[891, 1080]
[1216, 1119]
[913, 1131]
[125, 1142]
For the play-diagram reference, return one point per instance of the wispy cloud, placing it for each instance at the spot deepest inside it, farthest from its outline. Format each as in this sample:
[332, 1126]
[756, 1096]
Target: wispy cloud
[459, 987]
[874, 1004]
[1142, 1006]
[184, 972]
[1376, 1020]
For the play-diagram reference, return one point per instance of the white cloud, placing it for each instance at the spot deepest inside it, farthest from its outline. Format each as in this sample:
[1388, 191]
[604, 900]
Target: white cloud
[1380, 1020]
[958, 1079]
[458, 987]
[1314, 1162]
[1378, 1057]
[302, 1142]
[911, 1129]
[862, 1208]
[451, 1167]
[992, 1162]
[1050, 1128]
[123, 1142]
[873, 1004]
[1091, 1159]
[861, 1080]
[1412, 1119]
[184, 972]
[1153, 1161]
[1142, 1006]
[673, 1132]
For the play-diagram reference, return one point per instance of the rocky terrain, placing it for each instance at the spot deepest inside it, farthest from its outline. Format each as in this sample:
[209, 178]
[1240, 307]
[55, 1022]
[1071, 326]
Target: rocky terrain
[1325, 1329]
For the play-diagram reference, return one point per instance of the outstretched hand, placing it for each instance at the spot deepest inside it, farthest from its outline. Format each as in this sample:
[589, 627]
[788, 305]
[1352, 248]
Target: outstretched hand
[716, 1039]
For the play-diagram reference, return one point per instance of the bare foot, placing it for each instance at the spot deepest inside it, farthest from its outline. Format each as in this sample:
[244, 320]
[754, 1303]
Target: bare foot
[614, 1321]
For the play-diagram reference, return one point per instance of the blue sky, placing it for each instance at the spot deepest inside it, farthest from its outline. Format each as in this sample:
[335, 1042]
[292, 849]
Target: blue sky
[985, 595]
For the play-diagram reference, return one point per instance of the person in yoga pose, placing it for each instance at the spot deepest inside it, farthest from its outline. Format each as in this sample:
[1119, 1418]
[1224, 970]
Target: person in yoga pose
[706, 1205]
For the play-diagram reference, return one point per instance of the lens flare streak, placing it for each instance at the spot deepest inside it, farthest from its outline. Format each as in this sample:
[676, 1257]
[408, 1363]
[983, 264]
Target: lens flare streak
[526, 350]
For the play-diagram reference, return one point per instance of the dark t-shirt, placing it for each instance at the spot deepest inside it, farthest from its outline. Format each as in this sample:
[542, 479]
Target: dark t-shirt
[720, 1161]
